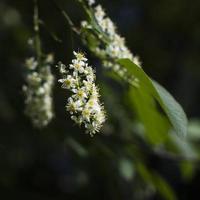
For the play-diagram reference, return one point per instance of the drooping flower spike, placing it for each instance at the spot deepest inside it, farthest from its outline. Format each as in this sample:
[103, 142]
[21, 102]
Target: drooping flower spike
[115, 48]
[38, 91]
[83, 104]
[39, 80]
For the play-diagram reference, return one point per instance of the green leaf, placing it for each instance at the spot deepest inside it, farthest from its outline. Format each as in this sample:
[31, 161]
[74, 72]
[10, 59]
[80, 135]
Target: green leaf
[194, 130]
[155, 124]
[184, 147]
[172, 109]
[126, 169]
[187, 170]
[163, 187]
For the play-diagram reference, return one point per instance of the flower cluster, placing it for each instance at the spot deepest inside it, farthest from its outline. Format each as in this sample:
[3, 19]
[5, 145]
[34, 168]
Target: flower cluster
[38, 91]
[116, 47]
[83, 105]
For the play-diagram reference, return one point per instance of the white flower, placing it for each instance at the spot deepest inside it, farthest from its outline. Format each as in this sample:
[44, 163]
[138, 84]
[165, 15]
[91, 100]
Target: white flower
[68, 82]
[91, 2]
[62, 68]
[31, 63]
[80, 56]
[80, 93]
[34, 78]
[99, 13]
[77, 65]
[137, 61]
[74, 106]
[83, 104]
[85, 24]
[49, 58]
[86, 113]
[88, 85]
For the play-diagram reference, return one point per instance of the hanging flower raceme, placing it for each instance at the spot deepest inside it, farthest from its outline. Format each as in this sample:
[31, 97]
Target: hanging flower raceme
[115, 48]
[83, 104]
[38, 91]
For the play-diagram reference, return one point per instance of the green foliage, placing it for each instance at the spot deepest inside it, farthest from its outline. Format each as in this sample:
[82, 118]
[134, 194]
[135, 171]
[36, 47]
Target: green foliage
[126, 169]
[142, 143]
[152, 92]
[194, 130]
[157, 181]
[173, 110]
[187, 170]
[156, 126]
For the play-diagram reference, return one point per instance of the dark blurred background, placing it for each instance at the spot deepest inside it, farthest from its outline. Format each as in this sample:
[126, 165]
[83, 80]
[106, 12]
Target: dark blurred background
[53, 163]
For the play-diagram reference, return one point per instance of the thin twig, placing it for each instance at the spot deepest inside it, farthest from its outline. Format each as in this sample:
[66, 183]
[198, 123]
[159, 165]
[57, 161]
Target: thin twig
[52, 34]
[174, 157]
[66, 16]
[37, 30]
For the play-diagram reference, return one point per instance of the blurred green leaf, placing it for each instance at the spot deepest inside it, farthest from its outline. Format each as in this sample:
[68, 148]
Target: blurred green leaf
[187, 170]
[194, 129]
[155, 180]
[163, 187]
[184, 147]
[126, 169]
[77, 147]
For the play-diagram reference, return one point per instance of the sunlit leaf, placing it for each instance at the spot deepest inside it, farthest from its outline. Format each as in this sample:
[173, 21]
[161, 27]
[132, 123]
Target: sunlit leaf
[172, 109]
